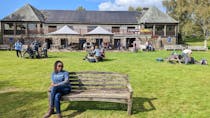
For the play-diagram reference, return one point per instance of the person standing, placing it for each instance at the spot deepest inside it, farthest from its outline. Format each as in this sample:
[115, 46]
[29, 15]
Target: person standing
[36, 48]
[60, 86]
[44, 49]
[18, 48]
[187, 55]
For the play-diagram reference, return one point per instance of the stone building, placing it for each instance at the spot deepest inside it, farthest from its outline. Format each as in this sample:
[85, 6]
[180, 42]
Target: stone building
[28, 24]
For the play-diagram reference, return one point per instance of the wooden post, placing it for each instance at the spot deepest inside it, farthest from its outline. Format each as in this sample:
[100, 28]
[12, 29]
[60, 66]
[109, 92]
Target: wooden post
[26, 29]
[130, 102]
[15, 29]
[175, 29]
[165, 30]
[2, 33]
[178, 28]
[153, 30]
[129, 110]
[38, 28]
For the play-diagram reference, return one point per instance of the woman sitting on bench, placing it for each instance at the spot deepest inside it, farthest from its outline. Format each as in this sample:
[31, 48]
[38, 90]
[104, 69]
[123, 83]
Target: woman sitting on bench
[60, 86]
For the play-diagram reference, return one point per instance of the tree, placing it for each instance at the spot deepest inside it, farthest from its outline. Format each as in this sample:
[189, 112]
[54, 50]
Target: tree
[139, 9]
[200, 14]
[193, 15]
[80, 8]
[178, 10]
[130, 8]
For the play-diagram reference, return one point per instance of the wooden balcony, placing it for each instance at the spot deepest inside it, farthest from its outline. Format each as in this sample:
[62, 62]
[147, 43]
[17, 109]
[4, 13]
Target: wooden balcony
[20, 32]
[170, 33]
[8, 32]
[35, 31]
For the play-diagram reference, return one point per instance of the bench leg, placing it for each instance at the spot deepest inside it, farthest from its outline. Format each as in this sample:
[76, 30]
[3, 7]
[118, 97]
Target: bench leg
[129, 109]
[48, 94]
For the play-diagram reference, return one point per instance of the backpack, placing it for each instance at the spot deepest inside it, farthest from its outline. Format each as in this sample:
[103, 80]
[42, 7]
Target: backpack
[203, 62]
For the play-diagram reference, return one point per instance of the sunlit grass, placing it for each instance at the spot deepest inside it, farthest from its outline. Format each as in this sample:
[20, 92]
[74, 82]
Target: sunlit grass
[161, 90]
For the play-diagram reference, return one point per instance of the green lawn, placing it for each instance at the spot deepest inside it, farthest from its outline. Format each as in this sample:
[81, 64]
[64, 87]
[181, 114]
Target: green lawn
[196, 41]
[161, 90]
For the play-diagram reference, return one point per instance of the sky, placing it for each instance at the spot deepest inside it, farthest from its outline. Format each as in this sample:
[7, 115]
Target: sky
[9, 6]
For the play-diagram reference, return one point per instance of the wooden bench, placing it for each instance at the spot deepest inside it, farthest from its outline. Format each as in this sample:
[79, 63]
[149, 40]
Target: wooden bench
[198, 48]
[100, 86]
[4, 47]
[174, 47]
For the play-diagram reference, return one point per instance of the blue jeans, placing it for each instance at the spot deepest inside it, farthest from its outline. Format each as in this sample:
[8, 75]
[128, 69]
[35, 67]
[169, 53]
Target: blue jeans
[186, 58]
[55, 96]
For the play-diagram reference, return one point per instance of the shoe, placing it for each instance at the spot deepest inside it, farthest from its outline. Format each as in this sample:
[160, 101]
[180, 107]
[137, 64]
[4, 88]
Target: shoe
[59, 116]
[49, 113]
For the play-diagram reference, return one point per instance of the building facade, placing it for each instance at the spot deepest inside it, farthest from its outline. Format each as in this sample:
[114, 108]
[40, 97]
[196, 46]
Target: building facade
[28, 24]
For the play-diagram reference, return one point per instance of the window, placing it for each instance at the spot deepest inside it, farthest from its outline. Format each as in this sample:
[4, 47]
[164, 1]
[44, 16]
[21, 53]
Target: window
[148, 26]
[32, 28]
[115, 29]
[170, 30]
[52, 28]
[8, 28]
[130, 29]
[159, 30]
[21, 28]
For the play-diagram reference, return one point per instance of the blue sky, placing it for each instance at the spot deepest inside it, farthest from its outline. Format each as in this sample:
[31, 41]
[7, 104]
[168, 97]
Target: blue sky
[9, 6]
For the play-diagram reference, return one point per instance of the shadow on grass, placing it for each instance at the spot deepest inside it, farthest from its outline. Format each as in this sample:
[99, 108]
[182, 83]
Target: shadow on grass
[4, 84]
[108, 60]
[49, 57]
[17, 103]
[139, 105]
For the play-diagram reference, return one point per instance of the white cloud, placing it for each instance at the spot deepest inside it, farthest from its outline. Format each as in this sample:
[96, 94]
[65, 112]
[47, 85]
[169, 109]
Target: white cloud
[115, 5]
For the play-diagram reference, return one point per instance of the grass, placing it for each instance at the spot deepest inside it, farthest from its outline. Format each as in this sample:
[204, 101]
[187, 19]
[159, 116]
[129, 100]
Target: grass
[161, 90]
[196, 41]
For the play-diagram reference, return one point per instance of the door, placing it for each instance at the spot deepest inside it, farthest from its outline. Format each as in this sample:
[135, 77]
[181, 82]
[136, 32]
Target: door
[81, 43]
[49, 43]
[116, 43]
[99, 42]
[129, 42]
[64, 43]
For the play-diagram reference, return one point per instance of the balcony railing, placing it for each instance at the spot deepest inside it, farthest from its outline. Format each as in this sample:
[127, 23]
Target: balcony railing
[170, 33]
[19, 32]
[134, 32]
[161, 33]
[35, 31]
[8, 32]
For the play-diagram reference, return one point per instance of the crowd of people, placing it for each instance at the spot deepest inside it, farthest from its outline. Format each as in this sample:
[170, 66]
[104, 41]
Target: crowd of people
[34, 50]
[95, 54]
[185, 57]
[104, 45]
[149, 46]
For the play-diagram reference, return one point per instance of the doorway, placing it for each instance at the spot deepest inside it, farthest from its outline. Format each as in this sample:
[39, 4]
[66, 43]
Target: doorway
[116, 43]
[49, 42]
[64, 43]
[99, 42]
[129, 42]
[81, 43]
